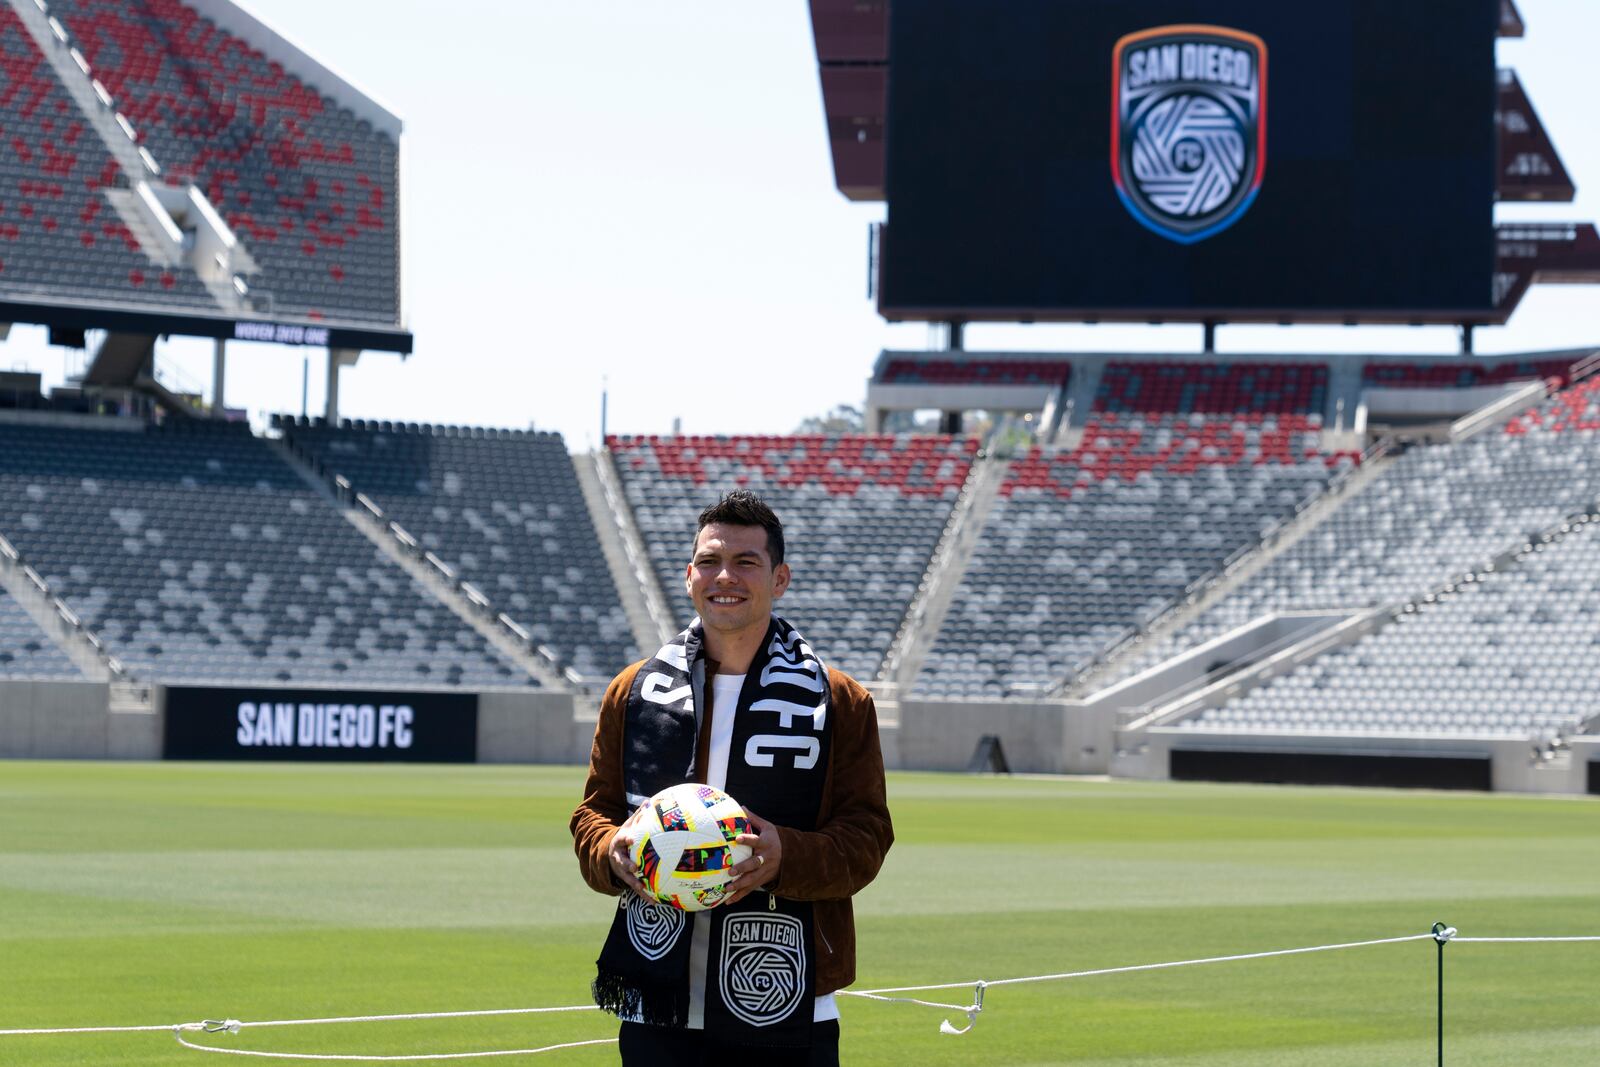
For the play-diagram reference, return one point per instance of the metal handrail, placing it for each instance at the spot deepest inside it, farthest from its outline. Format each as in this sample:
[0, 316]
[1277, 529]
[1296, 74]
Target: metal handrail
[11, 559]
[347, 494]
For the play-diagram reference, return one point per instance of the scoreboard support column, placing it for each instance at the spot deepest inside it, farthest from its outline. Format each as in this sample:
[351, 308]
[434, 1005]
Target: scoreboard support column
[337, 358]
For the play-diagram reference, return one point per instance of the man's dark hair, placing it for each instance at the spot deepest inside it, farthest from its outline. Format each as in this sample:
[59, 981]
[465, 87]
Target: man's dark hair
[743, 508]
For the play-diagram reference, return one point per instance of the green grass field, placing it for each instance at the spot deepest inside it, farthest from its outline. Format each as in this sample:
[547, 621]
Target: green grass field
[159, 893]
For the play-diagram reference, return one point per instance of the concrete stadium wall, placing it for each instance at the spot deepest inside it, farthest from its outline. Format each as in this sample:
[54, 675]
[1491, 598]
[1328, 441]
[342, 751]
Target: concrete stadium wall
[1515, 765]
[1043, 738]
[516, 727]
[72, 720]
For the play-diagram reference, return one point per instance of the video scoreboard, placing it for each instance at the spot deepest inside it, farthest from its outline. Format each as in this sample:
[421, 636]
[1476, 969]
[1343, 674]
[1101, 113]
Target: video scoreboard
[1190, 159]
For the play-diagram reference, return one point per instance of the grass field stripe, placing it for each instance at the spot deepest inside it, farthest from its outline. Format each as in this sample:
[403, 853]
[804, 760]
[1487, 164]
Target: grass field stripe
[1147, 966]
[178, 1033]
[904, 1000]
[303, 1022]
[1522, 940]
[91, 1030]
[421, 1015]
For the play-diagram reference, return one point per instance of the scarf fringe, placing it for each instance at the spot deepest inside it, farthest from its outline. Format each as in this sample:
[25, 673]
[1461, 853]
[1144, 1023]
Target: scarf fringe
[658, 1004]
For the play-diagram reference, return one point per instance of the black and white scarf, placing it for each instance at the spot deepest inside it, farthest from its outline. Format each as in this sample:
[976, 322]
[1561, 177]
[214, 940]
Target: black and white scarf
[761, 966]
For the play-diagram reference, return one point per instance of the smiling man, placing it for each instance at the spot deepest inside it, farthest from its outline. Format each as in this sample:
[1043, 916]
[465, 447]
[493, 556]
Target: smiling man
[738, 701]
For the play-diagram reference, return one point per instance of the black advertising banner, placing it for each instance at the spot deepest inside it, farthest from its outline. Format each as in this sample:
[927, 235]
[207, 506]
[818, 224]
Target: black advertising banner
[321, 724]
[1187, 157]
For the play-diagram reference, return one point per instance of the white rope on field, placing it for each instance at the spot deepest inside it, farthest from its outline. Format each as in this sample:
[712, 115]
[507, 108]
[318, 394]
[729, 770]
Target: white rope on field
[972, 1010]
[1139, 967]
[177, 1032]
[233, 1026]
[415, 1015]
[87, 1030]
[1440, 934]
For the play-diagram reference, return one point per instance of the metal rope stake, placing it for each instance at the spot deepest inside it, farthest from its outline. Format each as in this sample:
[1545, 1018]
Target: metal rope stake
[1441, 934]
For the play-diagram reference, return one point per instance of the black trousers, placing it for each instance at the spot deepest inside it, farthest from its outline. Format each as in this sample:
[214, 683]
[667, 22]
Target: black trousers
[658, 1046]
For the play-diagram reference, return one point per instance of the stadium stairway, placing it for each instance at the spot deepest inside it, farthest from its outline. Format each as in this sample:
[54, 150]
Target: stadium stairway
[73, 651]
[1484, 462]
[938, 587]
[629, 561]
[1112, 666]
[464, 601]
[1342, 680]
[1180, 464]
[80, 86]
[198, 85]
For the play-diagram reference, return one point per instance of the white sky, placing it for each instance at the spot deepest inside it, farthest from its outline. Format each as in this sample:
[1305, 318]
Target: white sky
[642, 193]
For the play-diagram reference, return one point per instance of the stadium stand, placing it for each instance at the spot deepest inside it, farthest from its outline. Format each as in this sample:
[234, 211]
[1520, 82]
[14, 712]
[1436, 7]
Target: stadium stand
[862, 515]
[26, 652]
[1511, 653]
[1433, 513]
[198, 555]
[1180, 465]
[501, 507]
[910, 370]
[59, 237]
[1463, 373]
[308, 187]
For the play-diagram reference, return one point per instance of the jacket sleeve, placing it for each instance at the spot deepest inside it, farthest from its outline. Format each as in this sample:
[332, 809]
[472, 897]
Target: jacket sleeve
[844, 853]
[605, 800]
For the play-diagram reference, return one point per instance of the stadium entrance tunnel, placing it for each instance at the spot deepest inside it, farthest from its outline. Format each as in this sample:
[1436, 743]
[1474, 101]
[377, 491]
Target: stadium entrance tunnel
[1594, 777]
[1327, 768]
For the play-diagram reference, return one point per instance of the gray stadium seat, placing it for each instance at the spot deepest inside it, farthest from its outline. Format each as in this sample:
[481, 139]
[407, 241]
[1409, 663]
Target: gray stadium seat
[506, 512]
[861, 515]
[198, 555]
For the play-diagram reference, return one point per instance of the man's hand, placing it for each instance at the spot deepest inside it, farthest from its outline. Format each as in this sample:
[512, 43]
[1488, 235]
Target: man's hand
[765, 859]
[621, 855]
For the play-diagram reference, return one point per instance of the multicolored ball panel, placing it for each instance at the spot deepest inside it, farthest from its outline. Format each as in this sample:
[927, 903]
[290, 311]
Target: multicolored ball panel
[686, 847]
[671, 816]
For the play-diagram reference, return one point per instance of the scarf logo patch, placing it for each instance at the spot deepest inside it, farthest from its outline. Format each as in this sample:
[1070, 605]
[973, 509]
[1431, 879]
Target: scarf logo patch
[763, 966]
[653, 928]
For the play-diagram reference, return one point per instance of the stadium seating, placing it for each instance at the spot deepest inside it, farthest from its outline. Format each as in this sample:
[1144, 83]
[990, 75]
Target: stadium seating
[59, 237]
[26, 652]
[908, 370]
[1511, 654]
[1462, 373]
[1432, 513]
[1574, 409]
[307, 186]
[503, 508]
[1242, 390]
[861, 515]
[1180, 465]
[198, 555]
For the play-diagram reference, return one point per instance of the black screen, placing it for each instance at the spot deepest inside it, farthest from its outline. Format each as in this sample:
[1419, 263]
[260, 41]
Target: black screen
[261, 723]
[1377, 169]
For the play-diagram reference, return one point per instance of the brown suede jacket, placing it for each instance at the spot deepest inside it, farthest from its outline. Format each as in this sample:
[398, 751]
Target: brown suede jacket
[827, 866]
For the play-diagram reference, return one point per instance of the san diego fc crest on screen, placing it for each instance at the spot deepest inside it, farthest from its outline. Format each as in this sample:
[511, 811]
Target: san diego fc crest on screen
[1188, 127]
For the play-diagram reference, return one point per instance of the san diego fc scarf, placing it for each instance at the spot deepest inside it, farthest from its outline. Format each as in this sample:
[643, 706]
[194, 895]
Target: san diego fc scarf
[761, 967]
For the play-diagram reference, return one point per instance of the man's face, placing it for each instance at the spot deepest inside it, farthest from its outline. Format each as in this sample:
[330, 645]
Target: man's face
[731, 578]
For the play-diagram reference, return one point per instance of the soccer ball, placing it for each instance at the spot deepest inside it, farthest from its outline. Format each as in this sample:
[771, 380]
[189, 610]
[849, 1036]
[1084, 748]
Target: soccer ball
[685, 845]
